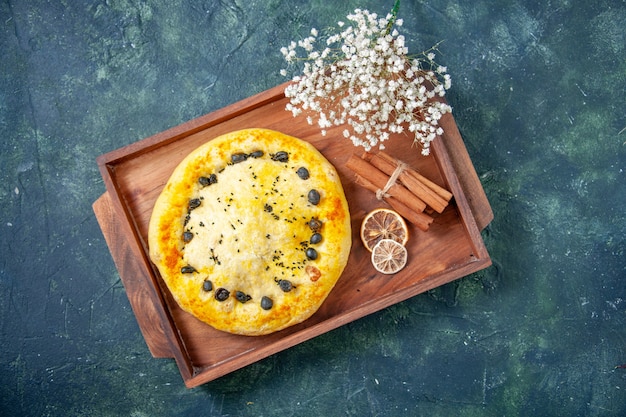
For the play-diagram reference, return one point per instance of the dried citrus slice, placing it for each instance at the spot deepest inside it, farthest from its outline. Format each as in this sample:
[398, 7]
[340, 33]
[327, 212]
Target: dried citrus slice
[383, 223]
[389, 256]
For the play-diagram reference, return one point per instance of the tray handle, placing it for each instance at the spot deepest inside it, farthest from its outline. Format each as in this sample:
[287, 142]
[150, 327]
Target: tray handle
[460, 159]
[141, 294]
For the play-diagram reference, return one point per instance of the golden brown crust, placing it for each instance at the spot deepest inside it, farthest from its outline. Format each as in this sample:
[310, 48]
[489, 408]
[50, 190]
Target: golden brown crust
[247, 230]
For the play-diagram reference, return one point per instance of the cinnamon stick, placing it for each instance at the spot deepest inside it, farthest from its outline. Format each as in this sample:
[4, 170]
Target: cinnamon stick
[442, 192]
[388, 165]
[379, 179]
[419, 219]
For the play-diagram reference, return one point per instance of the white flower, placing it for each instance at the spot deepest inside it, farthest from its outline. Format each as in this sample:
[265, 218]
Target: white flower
[364, 82]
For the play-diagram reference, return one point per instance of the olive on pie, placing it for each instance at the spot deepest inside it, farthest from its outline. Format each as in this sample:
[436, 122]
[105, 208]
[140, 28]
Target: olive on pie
[251, 231]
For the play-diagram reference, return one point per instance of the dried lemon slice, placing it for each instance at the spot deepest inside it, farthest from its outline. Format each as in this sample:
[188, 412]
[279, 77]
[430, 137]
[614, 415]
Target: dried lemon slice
[389, 256]
[383, 223]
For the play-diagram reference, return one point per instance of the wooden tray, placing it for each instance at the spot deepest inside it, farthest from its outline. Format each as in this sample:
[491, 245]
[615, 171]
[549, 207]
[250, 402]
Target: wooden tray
[134, 176]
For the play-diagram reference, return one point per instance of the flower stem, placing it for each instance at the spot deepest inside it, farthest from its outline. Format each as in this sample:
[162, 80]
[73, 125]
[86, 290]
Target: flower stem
[394, 16]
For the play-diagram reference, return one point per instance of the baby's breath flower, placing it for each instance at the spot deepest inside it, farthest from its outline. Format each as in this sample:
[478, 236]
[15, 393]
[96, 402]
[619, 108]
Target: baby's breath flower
[363, 80]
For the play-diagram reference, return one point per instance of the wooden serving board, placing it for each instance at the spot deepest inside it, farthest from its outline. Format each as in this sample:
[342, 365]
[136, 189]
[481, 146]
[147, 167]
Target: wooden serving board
[135, 175]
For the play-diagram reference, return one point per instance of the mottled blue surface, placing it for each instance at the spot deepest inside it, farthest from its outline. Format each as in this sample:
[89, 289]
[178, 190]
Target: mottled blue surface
[539, 94]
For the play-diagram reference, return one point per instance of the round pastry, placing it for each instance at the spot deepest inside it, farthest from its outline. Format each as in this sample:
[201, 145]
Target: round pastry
[251, 232]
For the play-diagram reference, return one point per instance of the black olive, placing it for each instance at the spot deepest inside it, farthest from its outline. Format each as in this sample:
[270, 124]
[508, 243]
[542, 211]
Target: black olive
[194, 203]
[242, 296]
[187, 236]
[238, 157]
[311, 254]
[303, 173]
[316, 238]
[266, 303]
[285, 285]
[256, 154]
[222, 294]
[207, 285]
[315, 224]
[281, 156]
[206, 181]
[314, 197]
[188, 269]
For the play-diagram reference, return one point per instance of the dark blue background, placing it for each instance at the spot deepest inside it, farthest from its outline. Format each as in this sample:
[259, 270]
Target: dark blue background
[539, 94]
